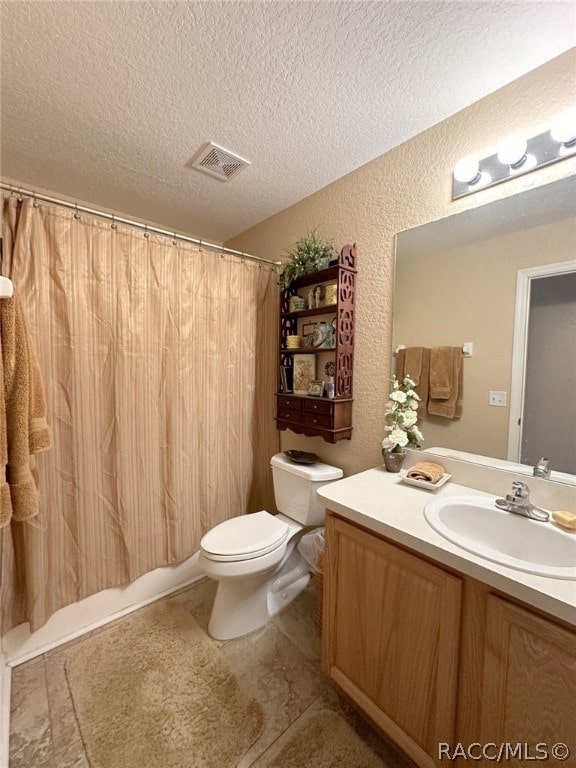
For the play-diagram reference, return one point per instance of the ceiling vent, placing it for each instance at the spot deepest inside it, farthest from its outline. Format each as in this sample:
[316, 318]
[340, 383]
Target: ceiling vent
[218, 162]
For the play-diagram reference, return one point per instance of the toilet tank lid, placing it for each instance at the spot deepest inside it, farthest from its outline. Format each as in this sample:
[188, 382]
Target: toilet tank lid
[316, 473]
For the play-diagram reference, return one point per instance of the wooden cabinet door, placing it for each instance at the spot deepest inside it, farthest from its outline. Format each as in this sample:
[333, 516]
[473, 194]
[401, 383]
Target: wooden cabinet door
[529, 685]
[391, 637]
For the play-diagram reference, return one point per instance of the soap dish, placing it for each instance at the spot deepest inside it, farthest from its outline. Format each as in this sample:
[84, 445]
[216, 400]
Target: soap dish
[424, 483]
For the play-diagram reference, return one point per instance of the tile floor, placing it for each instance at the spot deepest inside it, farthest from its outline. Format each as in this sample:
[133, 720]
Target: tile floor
[282, 671]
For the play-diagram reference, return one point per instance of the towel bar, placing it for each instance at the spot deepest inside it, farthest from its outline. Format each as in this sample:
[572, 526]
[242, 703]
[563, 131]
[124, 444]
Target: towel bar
[467, 348]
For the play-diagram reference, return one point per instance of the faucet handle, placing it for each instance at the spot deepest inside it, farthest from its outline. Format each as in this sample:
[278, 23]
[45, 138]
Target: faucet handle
[520, 490]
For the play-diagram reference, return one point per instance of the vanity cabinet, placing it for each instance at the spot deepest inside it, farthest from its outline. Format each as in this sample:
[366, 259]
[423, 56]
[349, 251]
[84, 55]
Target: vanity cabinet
[434, 657]
[391, 632]
[326, 333]
[529, 680]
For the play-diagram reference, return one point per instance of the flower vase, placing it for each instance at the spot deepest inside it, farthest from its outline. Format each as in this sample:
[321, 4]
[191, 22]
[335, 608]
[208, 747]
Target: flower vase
[393, 460]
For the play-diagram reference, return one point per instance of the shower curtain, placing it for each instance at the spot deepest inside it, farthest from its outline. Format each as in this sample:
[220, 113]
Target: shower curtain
[158, 360]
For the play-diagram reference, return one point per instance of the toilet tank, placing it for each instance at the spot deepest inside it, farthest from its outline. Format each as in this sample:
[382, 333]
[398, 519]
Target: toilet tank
[295, 487]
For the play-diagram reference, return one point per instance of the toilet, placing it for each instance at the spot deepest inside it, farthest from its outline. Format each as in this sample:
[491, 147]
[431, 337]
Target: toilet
[255, 558]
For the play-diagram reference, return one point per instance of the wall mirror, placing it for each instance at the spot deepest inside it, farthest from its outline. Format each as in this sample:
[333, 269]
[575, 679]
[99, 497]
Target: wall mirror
[456, 281]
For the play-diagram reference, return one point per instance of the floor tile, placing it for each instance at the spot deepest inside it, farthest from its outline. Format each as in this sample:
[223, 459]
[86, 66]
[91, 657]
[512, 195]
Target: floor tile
[272, 670]
[30, 733]
[66, 740]
[297, 622]
[198, 599]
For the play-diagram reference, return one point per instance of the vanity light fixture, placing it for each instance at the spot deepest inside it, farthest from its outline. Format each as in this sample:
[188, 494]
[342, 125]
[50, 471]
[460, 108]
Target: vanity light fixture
[515, 156]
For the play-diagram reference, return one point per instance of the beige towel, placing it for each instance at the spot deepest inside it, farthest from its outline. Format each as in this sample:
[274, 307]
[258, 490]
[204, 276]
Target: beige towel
[5, 502]
[415, 362]
[400, 360]
[441, 372]
[426, 470]
[448, 407]
[24, 415]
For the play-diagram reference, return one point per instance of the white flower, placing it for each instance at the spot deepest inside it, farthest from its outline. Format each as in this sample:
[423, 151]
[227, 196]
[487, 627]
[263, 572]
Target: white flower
[401, 415]
[417, 434]
[409, 417]
[398, 437]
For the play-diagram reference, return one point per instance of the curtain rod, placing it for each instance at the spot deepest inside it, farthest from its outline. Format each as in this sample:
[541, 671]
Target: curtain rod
[120, 220]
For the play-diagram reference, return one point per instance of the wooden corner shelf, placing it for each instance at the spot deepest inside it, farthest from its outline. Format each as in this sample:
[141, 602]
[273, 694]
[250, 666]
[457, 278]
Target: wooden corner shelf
[330, 419]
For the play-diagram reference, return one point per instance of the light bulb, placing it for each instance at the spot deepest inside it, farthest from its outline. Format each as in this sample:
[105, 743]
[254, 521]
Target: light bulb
[512, 151]
[466, 170]
[564, 128]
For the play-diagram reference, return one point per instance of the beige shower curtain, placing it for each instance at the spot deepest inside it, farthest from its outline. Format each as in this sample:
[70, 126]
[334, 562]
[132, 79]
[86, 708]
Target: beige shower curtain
[158, 361]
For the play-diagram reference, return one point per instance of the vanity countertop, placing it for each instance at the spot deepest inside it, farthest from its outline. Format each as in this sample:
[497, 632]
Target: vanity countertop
[381, 502]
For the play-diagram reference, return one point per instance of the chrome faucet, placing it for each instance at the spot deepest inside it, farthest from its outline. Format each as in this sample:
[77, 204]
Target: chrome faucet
[519, 503]
[541, 469]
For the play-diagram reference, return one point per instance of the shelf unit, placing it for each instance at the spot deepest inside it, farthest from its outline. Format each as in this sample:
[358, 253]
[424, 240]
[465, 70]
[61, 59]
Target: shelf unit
[304, 414]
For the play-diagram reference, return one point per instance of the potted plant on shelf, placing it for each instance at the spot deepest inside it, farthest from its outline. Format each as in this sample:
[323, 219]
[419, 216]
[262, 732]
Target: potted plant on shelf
[309, 254]
[401, 417]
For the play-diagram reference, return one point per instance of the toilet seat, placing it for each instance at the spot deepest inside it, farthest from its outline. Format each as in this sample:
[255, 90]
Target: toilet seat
[245, 537]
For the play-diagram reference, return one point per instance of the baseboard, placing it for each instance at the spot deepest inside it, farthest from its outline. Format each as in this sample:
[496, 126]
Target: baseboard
[5, 673]
[20, 645]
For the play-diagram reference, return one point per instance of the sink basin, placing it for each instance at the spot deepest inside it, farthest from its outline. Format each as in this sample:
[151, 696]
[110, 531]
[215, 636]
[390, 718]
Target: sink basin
[475, 524]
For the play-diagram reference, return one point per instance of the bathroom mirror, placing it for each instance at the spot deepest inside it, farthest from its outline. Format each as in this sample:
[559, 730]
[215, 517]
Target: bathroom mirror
[456, 282]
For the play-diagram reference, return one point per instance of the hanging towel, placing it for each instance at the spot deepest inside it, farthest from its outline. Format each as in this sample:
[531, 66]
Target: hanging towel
[23, 426]
[400, 360]
[449, 407]
[417, 366]
[441, 373]
[5, 502]
[415, 362]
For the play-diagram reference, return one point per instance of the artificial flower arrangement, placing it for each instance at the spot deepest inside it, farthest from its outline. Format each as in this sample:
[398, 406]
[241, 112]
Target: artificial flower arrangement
[401, 417]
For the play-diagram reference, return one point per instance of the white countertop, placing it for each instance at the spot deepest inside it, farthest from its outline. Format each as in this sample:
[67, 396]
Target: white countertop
[381, 502]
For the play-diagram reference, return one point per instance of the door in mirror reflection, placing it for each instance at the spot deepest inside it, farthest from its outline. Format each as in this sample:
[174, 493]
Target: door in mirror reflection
[548, 425]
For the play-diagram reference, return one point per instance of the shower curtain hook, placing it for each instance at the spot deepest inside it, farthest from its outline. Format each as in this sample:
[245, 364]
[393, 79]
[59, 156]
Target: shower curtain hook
[221, 251]
[19, 198]
[200, 245]
[34, 201]
[76, 214]
[113, 225]
[11, 191]
[146, 233]
[174, 240]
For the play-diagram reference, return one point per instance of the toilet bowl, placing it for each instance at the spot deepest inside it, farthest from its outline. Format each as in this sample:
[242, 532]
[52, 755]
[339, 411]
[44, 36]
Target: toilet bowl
[254, 557]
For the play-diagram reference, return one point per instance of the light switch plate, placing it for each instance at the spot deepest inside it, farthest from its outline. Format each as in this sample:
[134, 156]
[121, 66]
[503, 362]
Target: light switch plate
[497, 398]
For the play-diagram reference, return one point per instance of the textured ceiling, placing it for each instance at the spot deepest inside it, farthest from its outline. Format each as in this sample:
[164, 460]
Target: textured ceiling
[108, 101]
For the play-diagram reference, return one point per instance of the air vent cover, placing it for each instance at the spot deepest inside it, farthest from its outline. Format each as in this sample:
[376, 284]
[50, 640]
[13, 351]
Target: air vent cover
[218, 162]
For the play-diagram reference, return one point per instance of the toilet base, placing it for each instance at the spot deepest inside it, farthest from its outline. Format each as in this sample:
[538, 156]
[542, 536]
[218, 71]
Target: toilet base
[248, 604]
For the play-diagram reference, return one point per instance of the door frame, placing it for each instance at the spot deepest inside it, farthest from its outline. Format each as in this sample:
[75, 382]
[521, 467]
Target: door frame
[520, 347]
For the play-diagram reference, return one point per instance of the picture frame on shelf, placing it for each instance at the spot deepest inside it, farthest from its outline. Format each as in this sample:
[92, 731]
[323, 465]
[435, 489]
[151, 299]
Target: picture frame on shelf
[316, 388]
[286, 378]
[319, 291]
[304, 373]
[308, 334]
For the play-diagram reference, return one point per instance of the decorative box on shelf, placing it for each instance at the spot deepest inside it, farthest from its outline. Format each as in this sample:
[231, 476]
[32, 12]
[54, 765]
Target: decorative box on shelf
[320, 349]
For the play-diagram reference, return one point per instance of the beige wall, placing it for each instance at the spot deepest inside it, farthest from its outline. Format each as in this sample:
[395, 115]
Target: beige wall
[469, 294]
[403, 188]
